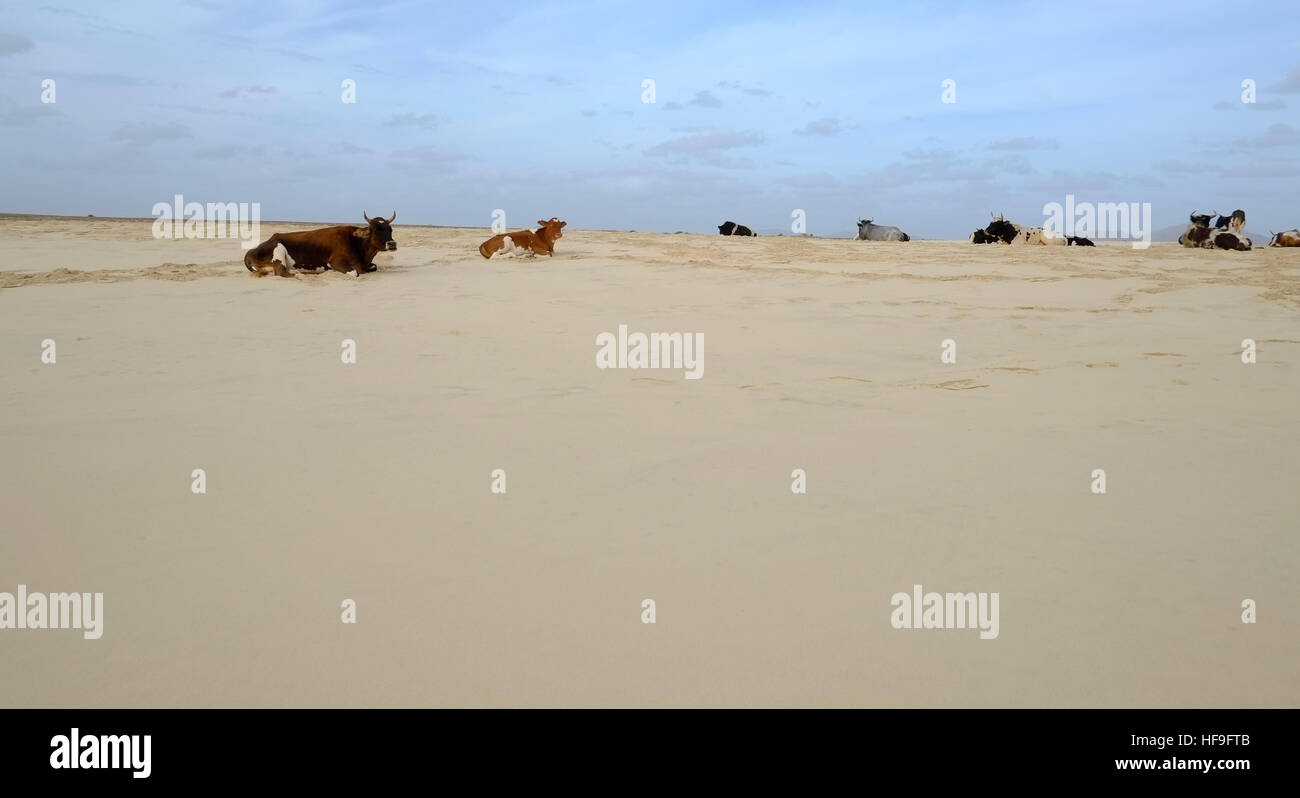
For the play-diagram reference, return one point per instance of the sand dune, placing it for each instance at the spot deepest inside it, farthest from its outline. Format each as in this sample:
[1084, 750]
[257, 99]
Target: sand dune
[371, 481]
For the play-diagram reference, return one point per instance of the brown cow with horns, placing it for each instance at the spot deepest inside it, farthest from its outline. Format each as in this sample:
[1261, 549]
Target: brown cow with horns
[345, 248]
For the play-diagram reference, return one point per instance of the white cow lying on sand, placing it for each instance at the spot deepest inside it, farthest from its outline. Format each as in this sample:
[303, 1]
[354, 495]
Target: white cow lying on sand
[869, 231]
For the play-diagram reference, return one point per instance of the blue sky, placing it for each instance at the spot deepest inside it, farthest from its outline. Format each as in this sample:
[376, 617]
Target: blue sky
[760, 108]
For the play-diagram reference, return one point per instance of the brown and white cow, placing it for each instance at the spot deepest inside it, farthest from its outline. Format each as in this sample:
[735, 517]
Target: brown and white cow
[1286, 238]
[525, 241]
[345, 248]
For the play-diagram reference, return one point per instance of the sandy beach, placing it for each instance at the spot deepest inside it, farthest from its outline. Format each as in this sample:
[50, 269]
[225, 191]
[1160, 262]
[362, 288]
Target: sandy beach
[371, 481]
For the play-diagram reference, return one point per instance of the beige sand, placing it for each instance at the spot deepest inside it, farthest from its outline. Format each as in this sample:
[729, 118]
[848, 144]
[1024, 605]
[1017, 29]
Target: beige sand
[371, 481]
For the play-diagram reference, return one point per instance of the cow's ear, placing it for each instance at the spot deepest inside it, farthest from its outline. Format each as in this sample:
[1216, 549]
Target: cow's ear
[361, 232]
[543, 224]
[562, 224]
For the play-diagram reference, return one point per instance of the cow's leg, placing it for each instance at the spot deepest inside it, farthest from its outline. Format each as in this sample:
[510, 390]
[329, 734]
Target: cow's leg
[347, 264]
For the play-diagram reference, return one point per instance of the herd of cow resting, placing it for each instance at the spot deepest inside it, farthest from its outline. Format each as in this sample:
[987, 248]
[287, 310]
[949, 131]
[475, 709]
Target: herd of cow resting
[351, 249]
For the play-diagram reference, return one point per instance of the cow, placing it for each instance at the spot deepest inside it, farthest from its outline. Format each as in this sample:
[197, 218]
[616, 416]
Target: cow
[870, 231]
[1234, 223]
[1286, 238]
[525, 241]
[1198, 232]
[1000, 231]
[1231, 241]
[733, 229]
[1224, 234]
[1078, 241]
[344, 248]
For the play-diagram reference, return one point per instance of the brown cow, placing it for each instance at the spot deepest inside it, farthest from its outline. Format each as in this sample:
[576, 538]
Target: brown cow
[1286, 238]
[344, 248]
[525, 240]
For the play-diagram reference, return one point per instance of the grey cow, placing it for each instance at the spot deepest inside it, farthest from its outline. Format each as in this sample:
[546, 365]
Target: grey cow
[869, 231]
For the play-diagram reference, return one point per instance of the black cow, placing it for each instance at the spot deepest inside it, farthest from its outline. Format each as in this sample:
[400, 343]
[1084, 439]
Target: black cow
[733, 229]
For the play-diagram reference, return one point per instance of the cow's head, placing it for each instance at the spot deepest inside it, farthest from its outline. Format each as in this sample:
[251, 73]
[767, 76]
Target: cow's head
[379, 231]
[1235, 221]
[552, 227]
[864, 223]
[1202, 220]
[727, 228]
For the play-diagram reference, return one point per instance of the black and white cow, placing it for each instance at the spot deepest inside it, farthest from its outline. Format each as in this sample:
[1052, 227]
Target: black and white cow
[1234, 223]
[1000, 231]
[1226, 233]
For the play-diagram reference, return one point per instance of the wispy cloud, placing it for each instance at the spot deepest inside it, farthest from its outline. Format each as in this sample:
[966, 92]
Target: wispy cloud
[13, 44]
[1075, 182]
[820, 127]
[255, 89]
[1278, 134]
[1024, 143]
[427, 158]
[705, 99]
[426, 121]
[708, 146]
[150, 133]
[1176, 167]
[14, 115]
[1289, 84]
[736, 85]
[226, 152]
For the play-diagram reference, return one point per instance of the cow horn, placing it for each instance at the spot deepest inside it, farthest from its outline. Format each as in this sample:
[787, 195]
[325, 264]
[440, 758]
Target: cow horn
[367, 218]
[391, 218]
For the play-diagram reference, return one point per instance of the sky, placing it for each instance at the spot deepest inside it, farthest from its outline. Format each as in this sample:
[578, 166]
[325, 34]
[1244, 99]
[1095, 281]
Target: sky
[760, 109]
